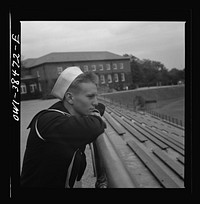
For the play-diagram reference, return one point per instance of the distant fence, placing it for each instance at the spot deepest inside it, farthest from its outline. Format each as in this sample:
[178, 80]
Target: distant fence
[166, 118]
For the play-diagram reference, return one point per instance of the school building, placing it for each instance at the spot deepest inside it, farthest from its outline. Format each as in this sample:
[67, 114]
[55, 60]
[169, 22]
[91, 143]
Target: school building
[38, 75]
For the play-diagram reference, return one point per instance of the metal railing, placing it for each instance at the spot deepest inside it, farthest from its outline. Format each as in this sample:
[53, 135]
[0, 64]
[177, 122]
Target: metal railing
[116, 173]
[166, 118]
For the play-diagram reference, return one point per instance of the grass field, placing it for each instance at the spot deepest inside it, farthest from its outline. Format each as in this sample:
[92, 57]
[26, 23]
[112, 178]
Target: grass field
[173, 108]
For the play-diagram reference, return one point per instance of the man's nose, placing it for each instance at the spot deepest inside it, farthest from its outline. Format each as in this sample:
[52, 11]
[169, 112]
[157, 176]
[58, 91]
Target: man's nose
[95, 102]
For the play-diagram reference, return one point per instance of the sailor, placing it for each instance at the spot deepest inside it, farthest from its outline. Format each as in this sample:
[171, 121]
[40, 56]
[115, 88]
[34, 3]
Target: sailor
[54, 155]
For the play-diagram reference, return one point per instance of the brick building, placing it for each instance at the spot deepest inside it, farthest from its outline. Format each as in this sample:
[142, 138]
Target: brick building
[113, 70]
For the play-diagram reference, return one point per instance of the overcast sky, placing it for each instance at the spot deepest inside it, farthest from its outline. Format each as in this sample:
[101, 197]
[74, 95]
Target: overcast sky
[159, 41]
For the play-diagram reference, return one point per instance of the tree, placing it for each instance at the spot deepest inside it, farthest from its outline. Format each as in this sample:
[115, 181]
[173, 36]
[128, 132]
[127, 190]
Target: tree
[150, 73]
[136, 71]
[175, 75]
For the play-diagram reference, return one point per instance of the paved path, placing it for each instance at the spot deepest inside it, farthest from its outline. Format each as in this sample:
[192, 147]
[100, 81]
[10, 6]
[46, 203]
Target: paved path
[28, 110]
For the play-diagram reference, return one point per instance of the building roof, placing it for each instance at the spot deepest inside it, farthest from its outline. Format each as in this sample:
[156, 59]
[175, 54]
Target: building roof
[71, 57]
[27, 77]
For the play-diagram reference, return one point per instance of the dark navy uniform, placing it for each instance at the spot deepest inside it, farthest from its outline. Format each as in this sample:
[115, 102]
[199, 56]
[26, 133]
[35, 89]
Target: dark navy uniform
[54, 155]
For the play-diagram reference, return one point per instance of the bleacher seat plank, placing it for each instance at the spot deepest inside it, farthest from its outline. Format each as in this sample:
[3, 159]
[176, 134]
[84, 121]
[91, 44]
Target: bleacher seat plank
[151, 133]
[164, 179]
[137, 134]
[181, 159]
[172, 164]
[115, 111]
[166, 137]
[179, 140]
[169, 128]
[153, 139]
[171, 140]
[166, 140]
[111, 121]
[158, 123]
[146, 134]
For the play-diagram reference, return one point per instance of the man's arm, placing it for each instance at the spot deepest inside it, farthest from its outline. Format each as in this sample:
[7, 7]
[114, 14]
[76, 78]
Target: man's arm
[82, 130]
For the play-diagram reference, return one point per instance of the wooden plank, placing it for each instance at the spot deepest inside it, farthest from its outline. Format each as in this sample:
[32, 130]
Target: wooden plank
[171, 136]
[137, 134]
[167, 141]
[156, 136]
[161, 125]
[146, 134]
[181, 159]
[171, 129]
[166, 137]
[119, 130]
[179, 170]
[164, 179]
[166, 132]
[122, 113]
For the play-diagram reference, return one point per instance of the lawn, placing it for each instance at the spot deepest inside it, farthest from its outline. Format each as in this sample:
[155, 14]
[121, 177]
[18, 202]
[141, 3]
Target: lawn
[173, 108]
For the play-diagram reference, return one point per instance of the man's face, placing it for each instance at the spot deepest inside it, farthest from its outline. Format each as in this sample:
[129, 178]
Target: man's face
[85, 98]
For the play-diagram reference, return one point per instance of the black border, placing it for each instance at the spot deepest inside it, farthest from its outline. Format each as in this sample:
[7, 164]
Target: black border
[73, 14]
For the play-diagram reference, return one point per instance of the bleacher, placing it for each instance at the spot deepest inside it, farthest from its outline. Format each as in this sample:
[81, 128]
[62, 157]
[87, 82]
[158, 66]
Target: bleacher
[141, 151]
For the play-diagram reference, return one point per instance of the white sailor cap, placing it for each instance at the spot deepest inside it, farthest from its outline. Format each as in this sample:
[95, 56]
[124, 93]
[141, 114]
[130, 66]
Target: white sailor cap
[64, 80]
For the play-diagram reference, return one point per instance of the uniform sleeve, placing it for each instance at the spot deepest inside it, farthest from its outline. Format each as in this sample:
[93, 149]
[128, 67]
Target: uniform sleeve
[71, 129]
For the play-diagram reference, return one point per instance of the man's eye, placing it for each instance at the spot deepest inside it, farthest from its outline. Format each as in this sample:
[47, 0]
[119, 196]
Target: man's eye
[91, 96]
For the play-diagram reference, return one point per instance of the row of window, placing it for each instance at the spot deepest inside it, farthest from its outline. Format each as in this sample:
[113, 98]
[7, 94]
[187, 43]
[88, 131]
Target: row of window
[94, 67]
[110, 79]
[33, 88]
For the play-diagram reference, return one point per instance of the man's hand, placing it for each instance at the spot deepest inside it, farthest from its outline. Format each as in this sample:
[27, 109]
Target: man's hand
[95, 112]
[101, 108]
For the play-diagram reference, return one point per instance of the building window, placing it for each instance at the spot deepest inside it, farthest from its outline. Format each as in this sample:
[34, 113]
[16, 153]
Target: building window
[33, 87]
[59, 70]
[114, 66]
[40, 88]
[102, 79]
[109, 78]
[85, 68]
[94, 68]
[121, 66]
[23, 89]
[116, 78]
[107, 66]
[100, 67]
[122, 77]
[38, 74]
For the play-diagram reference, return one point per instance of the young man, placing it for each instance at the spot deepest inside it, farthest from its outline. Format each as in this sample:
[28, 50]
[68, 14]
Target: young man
[54, 155]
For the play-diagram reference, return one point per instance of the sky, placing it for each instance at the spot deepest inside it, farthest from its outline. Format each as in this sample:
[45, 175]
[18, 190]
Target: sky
[154, 40]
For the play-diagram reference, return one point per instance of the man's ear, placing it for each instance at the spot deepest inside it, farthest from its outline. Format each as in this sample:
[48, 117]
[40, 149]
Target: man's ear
[69, 97]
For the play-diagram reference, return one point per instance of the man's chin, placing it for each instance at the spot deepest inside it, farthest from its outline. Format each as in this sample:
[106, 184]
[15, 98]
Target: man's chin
[85, 113]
